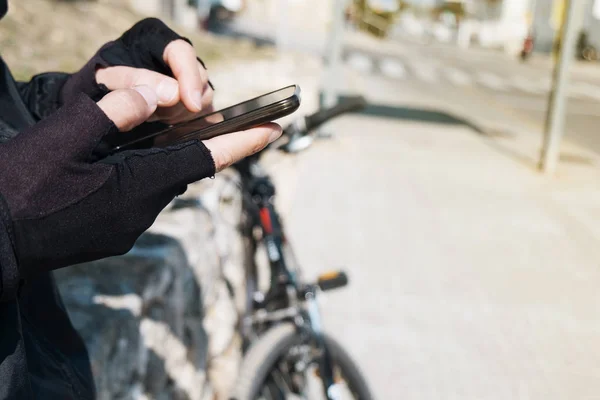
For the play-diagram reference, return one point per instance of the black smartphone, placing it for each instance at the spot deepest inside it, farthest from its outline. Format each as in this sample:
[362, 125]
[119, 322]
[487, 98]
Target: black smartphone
[246, 115]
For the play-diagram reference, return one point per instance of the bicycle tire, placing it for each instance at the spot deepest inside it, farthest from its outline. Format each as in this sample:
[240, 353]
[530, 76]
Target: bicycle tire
[274, 344]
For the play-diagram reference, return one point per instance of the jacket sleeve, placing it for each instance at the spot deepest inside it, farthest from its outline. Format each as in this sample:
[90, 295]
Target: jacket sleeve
[42, 94]
[9, 273]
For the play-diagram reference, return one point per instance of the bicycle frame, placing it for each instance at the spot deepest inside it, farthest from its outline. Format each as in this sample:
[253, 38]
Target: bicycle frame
[287, 298]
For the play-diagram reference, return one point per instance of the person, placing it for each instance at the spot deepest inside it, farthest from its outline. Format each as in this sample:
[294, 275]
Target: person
[63, 202]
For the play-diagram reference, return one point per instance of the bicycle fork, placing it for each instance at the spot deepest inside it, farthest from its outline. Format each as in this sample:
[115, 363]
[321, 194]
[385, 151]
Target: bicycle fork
[273, 238]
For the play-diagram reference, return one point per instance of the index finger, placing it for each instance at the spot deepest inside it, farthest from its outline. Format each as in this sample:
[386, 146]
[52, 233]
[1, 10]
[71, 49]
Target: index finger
[232, 147]
[180, 56]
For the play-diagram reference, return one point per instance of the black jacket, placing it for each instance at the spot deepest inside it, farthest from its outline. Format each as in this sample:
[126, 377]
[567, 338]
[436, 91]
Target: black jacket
[41, 354]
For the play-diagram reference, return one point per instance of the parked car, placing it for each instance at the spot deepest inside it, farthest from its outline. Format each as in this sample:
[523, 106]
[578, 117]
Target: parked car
[375, 16]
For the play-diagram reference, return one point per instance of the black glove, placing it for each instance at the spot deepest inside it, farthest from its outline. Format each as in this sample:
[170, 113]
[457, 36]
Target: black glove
[140, 47]
[60, 208]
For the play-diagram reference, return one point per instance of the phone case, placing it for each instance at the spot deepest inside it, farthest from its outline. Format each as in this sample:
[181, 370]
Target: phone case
[249, 120]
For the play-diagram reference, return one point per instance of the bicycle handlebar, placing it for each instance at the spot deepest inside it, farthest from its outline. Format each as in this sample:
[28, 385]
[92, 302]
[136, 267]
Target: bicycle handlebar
[347, 105]
[301, 127]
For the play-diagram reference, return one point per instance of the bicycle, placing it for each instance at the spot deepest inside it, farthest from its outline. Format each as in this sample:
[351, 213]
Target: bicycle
[284, 344]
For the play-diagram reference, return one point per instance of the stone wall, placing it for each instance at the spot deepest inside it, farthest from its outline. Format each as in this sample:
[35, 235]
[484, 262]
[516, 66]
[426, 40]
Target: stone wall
[160, 321]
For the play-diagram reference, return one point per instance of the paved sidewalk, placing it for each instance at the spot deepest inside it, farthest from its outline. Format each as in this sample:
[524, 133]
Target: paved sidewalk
[472, 275]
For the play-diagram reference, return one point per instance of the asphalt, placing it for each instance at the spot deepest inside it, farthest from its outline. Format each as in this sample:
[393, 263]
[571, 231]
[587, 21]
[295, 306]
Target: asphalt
[470, 278]
[473, 275]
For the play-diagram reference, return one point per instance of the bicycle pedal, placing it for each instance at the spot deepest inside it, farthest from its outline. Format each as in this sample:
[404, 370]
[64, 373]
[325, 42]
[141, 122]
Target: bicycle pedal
[332, 280]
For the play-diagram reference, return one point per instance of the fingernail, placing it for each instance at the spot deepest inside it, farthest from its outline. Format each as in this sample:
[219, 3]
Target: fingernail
[166, 90]
[148, 94]
[197, 99]
[275, 134]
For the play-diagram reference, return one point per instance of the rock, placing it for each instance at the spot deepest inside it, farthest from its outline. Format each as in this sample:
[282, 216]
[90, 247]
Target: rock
[155, 318]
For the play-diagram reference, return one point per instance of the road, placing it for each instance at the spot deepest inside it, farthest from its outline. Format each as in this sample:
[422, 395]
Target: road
[499, 89]
[472, 277]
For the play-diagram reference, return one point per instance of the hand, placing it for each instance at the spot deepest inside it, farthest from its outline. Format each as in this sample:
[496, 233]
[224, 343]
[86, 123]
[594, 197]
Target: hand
[129, 108]
[64, 208]
[180, 98]
[148, 54]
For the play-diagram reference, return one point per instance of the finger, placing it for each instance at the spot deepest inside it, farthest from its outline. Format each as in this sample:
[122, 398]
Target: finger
[181, 58]
[127, 108]
[121, 77]
[171, 115]
[179, 112]
[208, 95]
[230, 148]
[215, 118]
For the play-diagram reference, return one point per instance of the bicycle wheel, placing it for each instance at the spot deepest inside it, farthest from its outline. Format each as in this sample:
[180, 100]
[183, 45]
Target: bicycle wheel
[276, 367]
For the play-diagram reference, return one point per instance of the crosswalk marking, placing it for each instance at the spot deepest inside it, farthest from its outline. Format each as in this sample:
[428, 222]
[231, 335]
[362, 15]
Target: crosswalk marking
[429, 72]
[360, 62]
[425, 72]
[491, 81]
[392, 68]
[457, 76]
[582, 89]
[528, 85]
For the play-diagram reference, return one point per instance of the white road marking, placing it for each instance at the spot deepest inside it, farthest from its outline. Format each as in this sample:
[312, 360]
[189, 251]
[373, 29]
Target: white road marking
[586, 90]
[425, 72]
[360, 62]
[458, 77]
[392, 68]
[491, 81]
[528, 85]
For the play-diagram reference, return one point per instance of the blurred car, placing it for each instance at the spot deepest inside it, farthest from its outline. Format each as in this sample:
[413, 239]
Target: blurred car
[216, 12]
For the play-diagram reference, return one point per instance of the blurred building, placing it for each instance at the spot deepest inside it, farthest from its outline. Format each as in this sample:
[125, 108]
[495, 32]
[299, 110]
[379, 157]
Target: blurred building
[546, 22]
[495, 23]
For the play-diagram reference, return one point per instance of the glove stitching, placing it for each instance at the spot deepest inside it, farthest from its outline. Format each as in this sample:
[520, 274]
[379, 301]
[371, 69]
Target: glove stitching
[157, 150]
[194, 142]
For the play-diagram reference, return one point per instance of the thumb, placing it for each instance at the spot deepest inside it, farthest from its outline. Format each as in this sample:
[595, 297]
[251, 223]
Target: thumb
[128, 108]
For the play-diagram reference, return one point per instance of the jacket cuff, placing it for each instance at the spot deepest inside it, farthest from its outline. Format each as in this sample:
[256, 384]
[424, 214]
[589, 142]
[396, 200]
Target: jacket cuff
[42, 93]
[10, 278]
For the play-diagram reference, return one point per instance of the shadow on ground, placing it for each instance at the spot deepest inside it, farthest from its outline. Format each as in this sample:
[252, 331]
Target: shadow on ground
[414, 114]
[497, 138]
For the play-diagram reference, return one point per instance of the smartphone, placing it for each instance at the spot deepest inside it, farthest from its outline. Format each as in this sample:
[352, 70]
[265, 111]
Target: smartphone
[246, 115]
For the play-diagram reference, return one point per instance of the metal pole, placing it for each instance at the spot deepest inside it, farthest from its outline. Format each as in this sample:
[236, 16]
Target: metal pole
[555, 118]
[169, 9]
[282, 36]
[333, 51]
